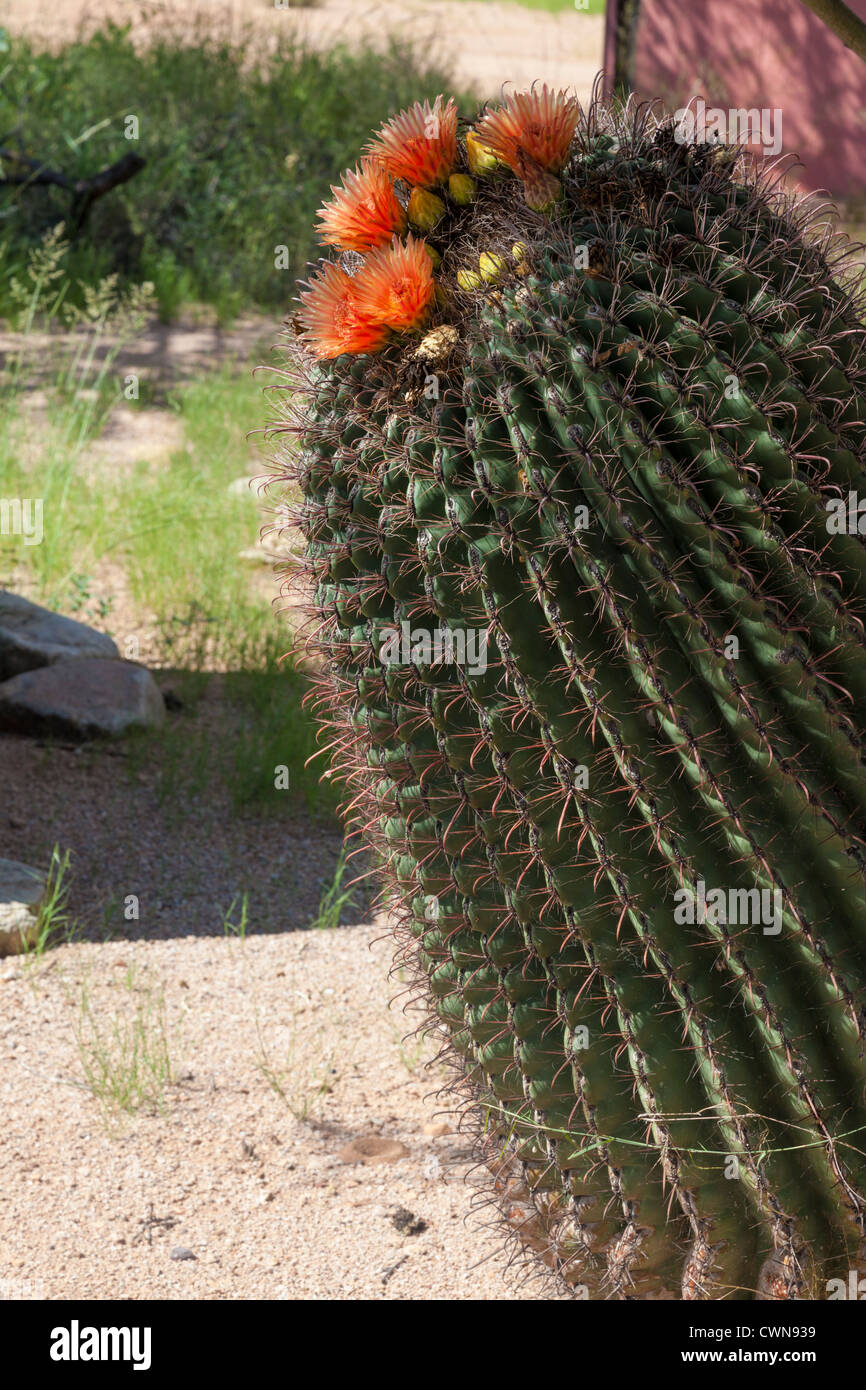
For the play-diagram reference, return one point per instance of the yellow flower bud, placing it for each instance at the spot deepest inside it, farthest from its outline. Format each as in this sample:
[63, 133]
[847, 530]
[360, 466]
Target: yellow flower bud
[482, 161]
[462, 189]
[492, 267]
[468, 279]
[425, 209]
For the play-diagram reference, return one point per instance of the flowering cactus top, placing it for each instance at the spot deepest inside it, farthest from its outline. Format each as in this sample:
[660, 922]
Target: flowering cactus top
[416, 173]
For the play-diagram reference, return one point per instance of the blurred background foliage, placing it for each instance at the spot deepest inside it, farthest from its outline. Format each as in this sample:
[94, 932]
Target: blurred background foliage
[240, 150]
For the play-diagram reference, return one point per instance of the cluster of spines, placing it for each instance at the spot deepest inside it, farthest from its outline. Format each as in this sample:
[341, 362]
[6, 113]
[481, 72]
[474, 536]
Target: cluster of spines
[467, 783]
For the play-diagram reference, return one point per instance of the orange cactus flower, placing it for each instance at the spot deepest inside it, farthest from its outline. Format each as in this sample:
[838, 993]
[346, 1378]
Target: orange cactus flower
[332, 319]
[419, 145]
[537, 124]
[395, 286]
[363, 213]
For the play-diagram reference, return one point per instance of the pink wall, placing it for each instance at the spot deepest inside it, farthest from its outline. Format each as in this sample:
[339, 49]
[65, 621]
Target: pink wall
[766, 54]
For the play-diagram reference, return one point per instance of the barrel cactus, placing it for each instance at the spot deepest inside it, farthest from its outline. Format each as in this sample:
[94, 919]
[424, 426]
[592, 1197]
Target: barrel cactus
[576, 414]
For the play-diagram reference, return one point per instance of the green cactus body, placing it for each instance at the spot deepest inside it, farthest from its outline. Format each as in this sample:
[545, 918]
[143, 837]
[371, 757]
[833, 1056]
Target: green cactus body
[618, 487]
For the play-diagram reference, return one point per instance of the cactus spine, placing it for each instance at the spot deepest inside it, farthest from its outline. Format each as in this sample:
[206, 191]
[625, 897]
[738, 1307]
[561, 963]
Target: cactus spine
[590, 631]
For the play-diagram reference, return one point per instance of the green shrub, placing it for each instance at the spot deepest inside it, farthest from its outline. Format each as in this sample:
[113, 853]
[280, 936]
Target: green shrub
[239, 154]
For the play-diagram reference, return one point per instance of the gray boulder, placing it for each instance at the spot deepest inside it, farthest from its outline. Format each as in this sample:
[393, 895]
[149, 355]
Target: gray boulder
[88, 698]
[31, 637]
[21, 892]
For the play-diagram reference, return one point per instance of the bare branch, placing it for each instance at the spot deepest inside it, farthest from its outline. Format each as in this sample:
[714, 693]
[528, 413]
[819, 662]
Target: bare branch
[39, 173]
[84, 191]
[843, 21]
[88, 190]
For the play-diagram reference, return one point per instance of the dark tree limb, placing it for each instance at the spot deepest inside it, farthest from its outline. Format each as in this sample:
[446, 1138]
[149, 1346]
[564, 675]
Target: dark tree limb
[84, 191]
[845, 24]
[39, 172]
[88, 190]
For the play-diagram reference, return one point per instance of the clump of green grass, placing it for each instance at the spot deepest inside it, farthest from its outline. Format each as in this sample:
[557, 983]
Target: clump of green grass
[185, 534]
[237, 930]
[260, 745]
[125, 1054]
[183, 531]
[40, 293]
[240, 147]
[179, 533]
[76, 372]
[336, 898]
[53, 923]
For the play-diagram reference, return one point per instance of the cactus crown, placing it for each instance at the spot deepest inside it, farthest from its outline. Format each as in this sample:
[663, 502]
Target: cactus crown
[592, 655]
[418, 174]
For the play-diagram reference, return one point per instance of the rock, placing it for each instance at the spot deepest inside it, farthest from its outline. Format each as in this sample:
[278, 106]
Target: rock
[407, 1223]
[31, 637]
[81, 699]
[371, 1148]
[21, 892]
[435, 1129]
[181, 1252]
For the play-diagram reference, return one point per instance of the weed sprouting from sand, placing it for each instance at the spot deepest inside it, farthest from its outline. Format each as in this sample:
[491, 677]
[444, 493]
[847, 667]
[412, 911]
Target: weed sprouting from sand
[53, 923]
[126, 1053]
[301, 1076]
[237, 929]
[336, 898]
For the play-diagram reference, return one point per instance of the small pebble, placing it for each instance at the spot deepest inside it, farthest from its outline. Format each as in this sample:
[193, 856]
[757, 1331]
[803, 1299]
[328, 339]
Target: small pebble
[180, 1252]
[407, 1222]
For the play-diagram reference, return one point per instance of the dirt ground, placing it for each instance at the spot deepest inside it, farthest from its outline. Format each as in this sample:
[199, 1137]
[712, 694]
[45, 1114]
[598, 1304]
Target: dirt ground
[299, 1151]
[484, 42]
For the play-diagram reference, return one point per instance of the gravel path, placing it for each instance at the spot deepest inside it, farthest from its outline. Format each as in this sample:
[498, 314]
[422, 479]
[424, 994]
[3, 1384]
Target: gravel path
[265, 1202]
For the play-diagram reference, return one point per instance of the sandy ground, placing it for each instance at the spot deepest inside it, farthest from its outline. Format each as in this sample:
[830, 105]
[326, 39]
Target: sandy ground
[484, 43]
[352, 1184]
